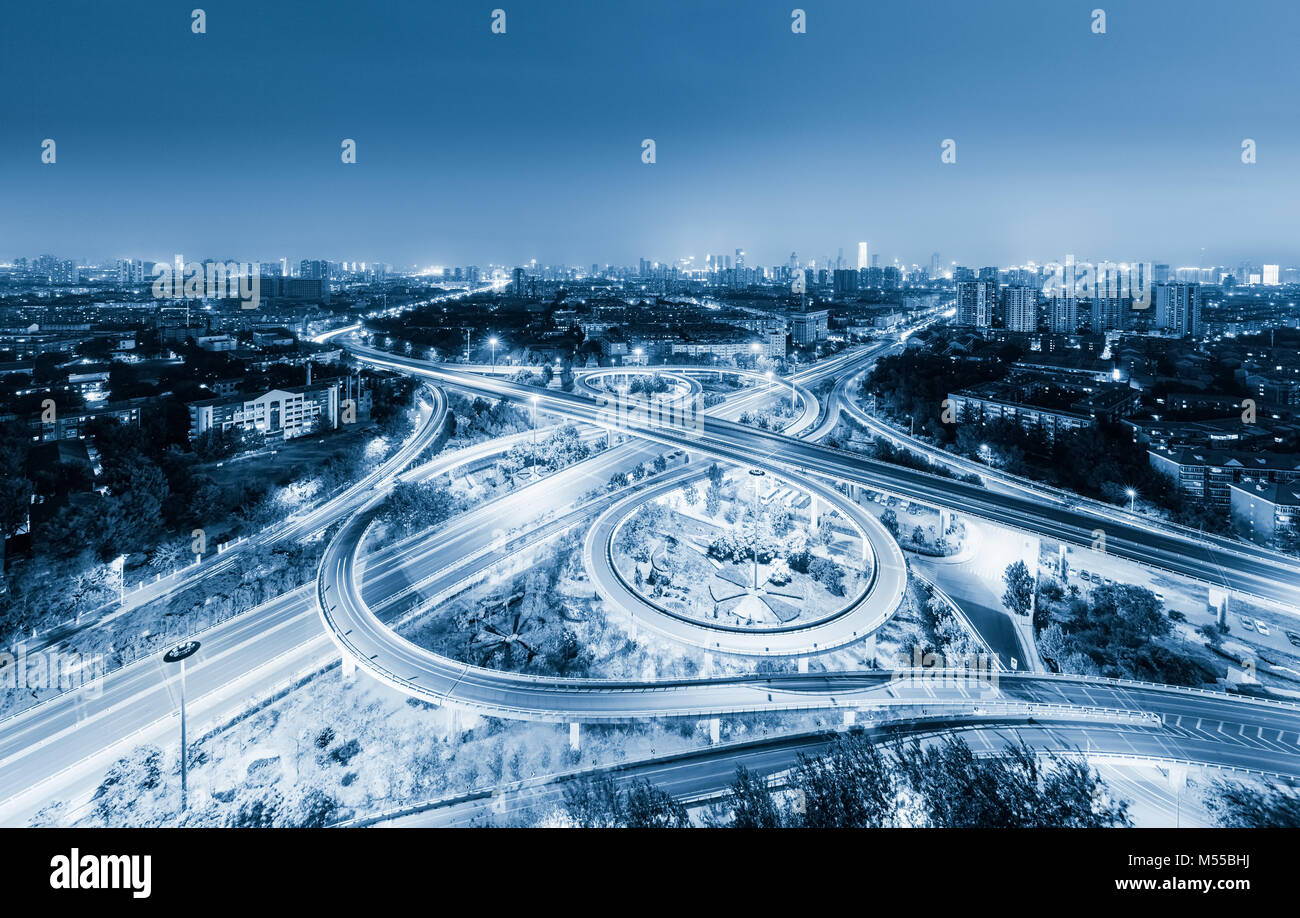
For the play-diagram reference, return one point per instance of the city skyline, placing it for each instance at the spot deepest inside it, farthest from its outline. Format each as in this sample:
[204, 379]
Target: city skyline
[475, 146]
[705, 414]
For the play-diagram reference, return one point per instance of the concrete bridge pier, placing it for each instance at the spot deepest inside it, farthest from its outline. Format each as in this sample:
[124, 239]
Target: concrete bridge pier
[349, 667]
[1219, 604]
[575, 736]
[803, 664]
[715, 730]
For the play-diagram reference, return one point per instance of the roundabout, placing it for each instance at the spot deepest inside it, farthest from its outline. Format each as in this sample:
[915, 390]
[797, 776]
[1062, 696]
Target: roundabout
[771, 612]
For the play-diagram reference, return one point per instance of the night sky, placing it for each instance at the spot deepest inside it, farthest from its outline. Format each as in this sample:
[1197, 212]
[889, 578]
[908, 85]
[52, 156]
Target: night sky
[476, 148]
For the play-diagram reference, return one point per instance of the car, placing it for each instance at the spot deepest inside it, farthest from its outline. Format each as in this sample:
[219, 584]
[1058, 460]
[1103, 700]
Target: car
[1293, 638]
[1263, 628]
[1246, 623]
[1176, 616]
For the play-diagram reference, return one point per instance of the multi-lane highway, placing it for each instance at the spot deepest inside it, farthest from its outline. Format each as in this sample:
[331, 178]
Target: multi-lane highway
[69, 736]
[1240, 568]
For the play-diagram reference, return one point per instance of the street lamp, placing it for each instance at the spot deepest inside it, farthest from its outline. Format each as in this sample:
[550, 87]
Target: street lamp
[534, 435]
[1132, 498]
[757, 474]
[493, 341]
[119, 567]
[179, 654]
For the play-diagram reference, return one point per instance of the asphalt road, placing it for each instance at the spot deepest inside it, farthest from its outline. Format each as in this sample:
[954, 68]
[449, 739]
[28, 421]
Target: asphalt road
[1239, 567]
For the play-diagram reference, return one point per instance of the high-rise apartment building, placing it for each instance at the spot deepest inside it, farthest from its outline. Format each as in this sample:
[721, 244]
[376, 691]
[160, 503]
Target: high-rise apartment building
[1178, 309]
[1022, 309]
[977, 303]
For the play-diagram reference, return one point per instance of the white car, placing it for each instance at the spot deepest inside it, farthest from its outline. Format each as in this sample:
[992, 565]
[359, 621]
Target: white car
[1247, 623]
[1263, 628]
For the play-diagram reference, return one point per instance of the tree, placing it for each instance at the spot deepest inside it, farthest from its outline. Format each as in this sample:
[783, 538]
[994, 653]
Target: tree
[170, 555]
[595, 802]
[889, 519]
[647, 807]
[712, 499]
[1020, 588]
[828, 574]
[957, 789]
[751, 802]
[852, 787]
[1240, 806]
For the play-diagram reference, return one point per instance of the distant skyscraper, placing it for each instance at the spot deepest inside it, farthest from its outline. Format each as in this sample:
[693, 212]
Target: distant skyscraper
[1271, 273]
[314, 270]
[862, 255]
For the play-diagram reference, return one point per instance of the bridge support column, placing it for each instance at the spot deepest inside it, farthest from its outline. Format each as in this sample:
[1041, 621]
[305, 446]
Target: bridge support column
[869, 649]
[715, 730]
[575, 736]
[1219, 604]
[707, 670]
[349, 667]
[803, 664]
[850, 718]
[814, 511]
[945, 521]
[453, 720]
[1033, 550]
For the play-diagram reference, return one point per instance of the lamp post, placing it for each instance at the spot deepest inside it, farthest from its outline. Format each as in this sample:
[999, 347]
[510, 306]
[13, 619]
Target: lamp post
[119, 567]
[534, 457]
[493, 341]
[179, 654]
[757, 474]
[1132, 499]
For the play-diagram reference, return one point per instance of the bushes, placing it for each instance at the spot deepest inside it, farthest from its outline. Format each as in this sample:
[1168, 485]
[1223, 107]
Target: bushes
[828, 574]
[1117, 631]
